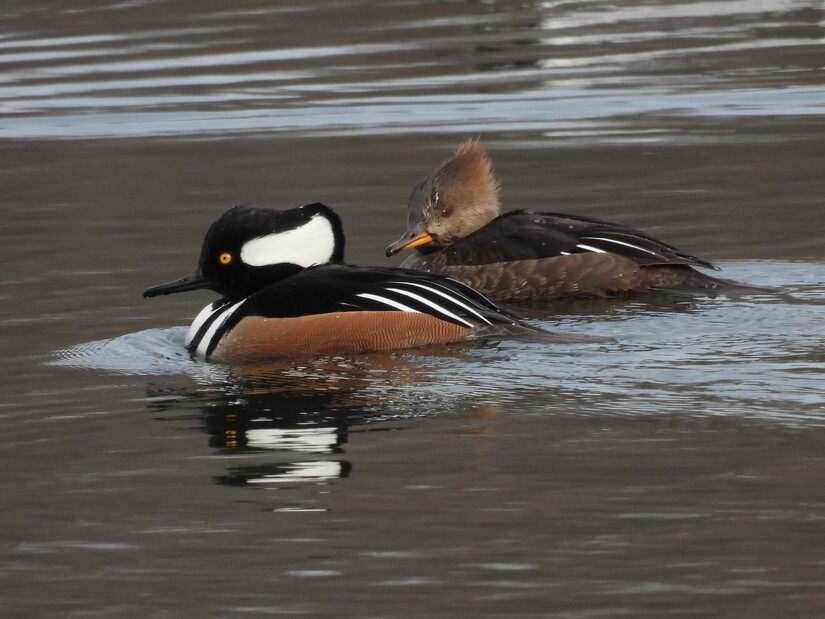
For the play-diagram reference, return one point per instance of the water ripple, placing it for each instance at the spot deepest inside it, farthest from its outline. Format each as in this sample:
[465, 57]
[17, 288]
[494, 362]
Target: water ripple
[548, 68]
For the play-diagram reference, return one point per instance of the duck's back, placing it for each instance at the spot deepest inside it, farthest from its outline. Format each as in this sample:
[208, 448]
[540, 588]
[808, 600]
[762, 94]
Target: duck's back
[524, 255]
[339, 309]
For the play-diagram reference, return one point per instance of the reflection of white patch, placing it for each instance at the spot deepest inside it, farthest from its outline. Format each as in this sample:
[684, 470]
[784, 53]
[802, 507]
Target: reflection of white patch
[312, 243]
[317, 440]
[319, 470]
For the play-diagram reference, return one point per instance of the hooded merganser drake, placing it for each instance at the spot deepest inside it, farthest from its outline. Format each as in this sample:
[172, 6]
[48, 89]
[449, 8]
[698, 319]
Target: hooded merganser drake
[286, 294]
[455, 228]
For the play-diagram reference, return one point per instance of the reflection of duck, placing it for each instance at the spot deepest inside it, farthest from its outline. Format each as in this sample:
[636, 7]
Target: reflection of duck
[285, 296]
[306, 471]
[455, 228]
[290, 425]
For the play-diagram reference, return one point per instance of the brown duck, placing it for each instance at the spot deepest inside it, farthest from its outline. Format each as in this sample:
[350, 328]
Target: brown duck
[455, 228]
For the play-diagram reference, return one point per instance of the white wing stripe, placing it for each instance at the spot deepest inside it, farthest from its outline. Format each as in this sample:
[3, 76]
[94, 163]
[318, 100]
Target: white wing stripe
[449, 297]
[431, 304]
[617, 242]
[389, 302]
[591, 248]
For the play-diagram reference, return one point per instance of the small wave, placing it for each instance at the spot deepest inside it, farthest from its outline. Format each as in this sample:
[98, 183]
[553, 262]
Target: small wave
[149, 352]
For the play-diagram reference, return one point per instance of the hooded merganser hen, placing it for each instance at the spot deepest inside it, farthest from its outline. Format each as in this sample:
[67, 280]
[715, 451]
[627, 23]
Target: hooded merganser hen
[455, 227]
[286, 294]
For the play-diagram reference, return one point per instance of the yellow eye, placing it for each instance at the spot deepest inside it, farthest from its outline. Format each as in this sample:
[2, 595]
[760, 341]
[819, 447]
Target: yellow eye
[225, 258]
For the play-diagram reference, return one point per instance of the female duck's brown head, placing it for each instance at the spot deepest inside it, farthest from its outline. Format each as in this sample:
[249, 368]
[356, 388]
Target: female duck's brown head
[457, 199]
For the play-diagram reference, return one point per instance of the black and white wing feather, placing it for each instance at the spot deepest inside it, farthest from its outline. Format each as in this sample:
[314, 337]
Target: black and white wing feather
[335, 288]
[525, 235]
[342, 288]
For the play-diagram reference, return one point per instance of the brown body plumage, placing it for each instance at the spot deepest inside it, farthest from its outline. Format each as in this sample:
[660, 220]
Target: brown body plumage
[455, 228]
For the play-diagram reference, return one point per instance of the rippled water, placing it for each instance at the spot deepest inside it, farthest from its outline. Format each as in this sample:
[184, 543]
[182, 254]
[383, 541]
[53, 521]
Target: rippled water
[556, 67]
[676, 469]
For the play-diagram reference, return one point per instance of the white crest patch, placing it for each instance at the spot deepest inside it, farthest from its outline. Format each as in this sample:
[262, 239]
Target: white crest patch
[310, 244]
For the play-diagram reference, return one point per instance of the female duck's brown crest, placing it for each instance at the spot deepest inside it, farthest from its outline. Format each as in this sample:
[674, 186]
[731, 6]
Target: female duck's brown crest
[460, 197]
[464, 193]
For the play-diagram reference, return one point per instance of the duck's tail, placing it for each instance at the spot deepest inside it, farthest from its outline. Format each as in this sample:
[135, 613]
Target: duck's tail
[690, 280]
[526, 332]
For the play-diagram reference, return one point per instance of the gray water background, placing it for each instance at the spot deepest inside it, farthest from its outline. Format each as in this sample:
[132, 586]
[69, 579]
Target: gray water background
[676, 471]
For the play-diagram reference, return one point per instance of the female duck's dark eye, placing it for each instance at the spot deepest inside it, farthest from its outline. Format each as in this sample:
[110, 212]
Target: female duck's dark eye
[443, 211]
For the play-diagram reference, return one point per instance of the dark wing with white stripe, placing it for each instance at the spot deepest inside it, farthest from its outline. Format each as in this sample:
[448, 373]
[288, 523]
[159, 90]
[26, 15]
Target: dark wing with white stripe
[336, 288]
[525, 235]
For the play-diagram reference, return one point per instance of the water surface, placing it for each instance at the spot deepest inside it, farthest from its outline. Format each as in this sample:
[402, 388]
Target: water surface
[676, 469]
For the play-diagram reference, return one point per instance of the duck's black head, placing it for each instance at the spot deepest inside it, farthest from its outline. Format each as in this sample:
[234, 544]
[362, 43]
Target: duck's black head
[249, 248]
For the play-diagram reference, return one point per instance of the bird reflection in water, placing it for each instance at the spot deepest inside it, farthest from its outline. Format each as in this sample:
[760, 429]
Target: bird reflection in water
[305, 414]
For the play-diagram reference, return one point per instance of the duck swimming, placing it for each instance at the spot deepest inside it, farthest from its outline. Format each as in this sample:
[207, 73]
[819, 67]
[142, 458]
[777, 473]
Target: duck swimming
[285, 293]
[455, 228]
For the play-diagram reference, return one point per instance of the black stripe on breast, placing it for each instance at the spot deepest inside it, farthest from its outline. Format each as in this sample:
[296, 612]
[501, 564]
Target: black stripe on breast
[223, 317]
